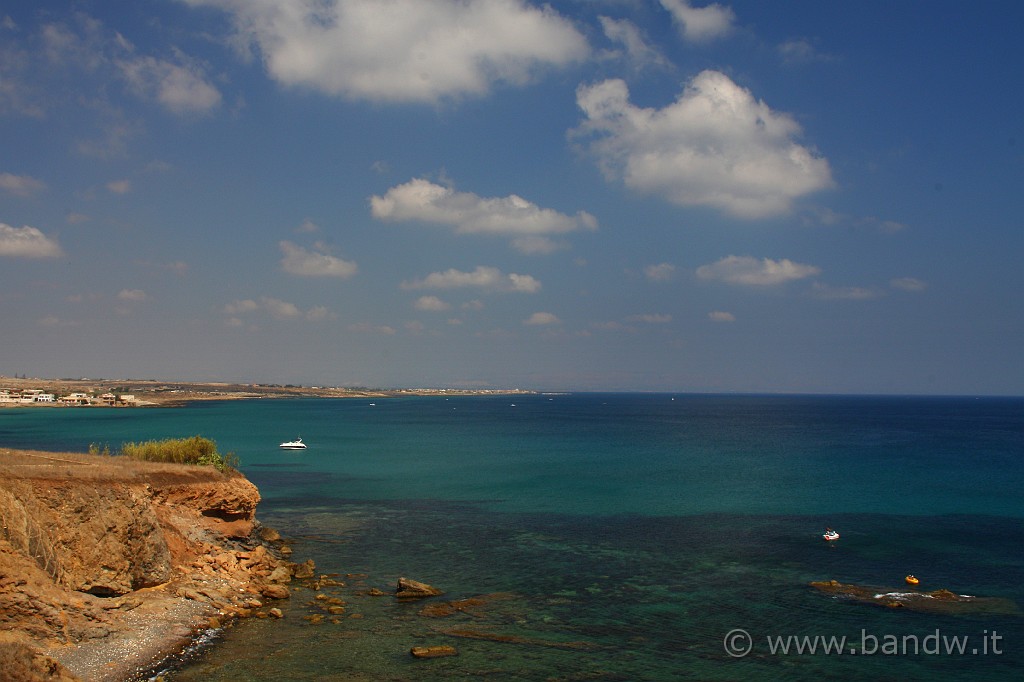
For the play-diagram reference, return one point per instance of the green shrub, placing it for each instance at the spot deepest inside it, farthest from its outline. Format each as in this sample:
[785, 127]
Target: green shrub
[195, 450]
[94, 449]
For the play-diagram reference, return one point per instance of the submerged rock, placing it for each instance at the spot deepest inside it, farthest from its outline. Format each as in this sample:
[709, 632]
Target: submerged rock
[473, 606]
[433, 651]
[936, 601]
[516, 639]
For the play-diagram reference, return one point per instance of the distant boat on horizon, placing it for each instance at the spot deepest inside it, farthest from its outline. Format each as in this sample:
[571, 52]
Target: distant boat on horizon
[296, 444]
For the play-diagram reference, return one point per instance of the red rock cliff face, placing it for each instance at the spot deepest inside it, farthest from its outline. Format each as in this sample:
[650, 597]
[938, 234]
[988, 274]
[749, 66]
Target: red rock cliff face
[86, 541]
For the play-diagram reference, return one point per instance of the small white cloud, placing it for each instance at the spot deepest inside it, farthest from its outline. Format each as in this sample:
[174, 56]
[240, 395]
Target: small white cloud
[714, 146]
[891, 226]
[638, 51]
[908, 284]
[131, 295]
[178, 267]
[541, 319]
[662, 272]
[523, 283]
[20, 185]
[536, 245]
[54, 321]
[275, 308]
[700, 24]
[368, 328]
[431, 303]
[826, 292]
[801, 51]
[487, 278]
[119, 186]
[299, 261]
[307, 226]
[650, 318]
[279, 309]
[318, 313]
[27, 242]
[181, 88]
[241, 307]
[468, 213]
[721, 316]
[750, 271]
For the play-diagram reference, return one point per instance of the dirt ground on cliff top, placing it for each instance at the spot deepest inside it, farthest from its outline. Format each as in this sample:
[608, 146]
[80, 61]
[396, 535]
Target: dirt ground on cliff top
[60, 466]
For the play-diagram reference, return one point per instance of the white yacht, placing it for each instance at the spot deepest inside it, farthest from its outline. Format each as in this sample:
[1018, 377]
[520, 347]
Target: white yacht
[296, 444]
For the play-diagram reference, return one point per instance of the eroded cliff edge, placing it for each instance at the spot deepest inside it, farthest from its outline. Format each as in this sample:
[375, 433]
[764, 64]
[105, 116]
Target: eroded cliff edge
[107, 565]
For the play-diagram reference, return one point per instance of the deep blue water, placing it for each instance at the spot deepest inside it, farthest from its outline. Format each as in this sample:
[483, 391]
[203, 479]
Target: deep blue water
[644, 526]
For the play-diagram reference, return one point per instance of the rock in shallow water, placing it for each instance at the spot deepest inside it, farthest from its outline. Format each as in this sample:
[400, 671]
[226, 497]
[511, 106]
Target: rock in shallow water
[413, 589]
[433, 651]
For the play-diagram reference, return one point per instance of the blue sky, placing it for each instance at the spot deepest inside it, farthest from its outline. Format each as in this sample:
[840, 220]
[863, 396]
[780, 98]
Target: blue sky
[579, 195]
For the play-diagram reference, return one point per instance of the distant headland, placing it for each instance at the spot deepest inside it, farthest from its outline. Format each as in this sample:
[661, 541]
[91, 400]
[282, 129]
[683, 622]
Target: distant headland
[84, 392]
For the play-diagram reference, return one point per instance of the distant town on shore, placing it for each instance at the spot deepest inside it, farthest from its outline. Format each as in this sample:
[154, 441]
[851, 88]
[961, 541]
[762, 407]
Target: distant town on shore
[84, 392]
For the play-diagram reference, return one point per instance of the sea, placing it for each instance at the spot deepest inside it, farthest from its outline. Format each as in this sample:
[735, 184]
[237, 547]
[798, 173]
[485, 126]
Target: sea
[625, 536]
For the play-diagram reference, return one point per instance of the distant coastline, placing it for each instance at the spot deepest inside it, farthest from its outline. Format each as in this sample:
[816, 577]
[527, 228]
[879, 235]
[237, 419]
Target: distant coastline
[14, 392]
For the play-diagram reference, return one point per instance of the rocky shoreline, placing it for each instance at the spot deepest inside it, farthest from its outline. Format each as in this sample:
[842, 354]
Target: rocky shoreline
[108, 566]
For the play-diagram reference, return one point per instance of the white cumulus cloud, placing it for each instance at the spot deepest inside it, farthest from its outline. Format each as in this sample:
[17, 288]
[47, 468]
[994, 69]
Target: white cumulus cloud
[750, 271]
[714, 146]
[537, 245]
[541, 319]
[403, 50]
[279, 309]
[908, 284]
[468, 213]
[483, 277]
[119, 186]
[20, 185]
[661, 272]
[275, 308]
[700, 24]
[27, 242]
[300, 261]
[181, 88]
[431, 303]
[638, 51]
[826, 292]
[131, 295]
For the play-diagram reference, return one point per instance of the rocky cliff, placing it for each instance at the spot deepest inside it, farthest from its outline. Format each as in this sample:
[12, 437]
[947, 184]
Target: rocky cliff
[107, 565]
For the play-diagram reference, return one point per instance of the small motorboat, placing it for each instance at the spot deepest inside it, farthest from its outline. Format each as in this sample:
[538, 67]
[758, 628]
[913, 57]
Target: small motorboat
[912, 580]
[296, 444]
[830, 535]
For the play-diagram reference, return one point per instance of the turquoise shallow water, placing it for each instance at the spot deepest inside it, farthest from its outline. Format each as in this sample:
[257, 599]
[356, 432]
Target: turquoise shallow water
[623, 535]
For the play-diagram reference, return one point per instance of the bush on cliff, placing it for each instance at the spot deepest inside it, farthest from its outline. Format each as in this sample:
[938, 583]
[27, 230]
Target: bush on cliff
[194, 450]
